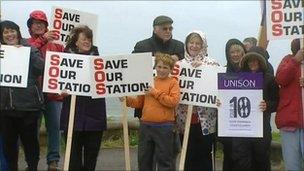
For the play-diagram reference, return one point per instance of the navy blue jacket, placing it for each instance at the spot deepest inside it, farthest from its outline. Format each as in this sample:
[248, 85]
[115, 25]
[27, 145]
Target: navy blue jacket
[90, 114]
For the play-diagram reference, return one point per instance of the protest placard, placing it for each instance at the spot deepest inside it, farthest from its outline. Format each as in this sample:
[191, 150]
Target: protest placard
[198, 86]
[122, 75]
[240, 95]
[14, 66]
[285, 19]
[63, 20]
[70, 72]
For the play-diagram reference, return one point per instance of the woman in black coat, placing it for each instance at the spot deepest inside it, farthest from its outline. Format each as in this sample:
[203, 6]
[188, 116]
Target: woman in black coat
[90, 114]
[20, 107]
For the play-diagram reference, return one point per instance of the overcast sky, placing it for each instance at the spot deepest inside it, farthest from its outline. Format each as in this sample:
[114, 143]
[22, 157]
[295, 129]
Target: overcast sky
[122, 23]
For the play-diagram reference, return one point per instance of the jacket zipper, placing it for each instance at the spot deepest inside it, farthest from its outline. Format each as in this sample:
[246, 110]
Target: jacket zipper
[11, 98]
[40, 99]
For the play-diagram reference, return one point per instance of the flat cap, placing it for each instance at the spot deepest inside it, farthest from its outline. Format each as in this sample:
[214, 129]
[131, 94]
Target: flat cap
[162, 19]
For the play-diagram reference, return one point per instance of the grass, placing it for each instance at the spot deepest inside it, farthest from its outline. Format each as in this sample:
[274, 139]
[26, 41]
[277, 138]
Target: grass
[114, 138]
[276, 137]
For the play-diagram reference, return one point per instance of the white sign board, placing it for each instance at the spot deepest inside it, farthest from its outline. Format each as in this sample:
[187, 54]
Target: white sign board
[198, 86]
[122, 75]
[14, 66]
[239, 114]
[66, 71]
[285, 19]
[63, 20]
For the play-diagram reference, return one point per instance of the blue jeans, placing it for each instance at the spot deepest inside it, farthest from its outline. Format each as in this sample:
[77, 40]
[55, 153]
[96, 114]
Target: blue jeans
[3, 164]
[293, 149]
[52, 123]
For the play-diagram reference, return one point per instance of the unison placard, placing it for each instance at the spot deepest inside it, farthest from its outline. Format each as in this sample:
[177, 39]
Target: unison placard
[240, 95]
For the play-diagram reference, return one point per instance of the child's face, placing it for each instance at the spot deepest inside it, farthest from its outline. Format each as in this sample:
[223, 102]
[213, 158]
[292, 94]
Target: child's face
[162, 70]
[253, 65]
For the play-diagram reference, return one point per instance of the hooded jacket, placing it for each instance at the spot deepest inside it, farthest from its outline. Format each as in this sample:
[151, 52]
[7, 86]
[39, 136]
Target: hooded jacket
[90, 114]
[230, 66]
[270, 87]
[29, 98]
[290, 109]
[265, 54]
[203, 115]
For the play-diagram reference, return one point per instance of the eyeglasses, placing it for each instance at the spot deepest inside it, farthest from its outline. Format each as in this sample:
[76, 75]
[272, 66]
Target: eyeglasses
[167, 28]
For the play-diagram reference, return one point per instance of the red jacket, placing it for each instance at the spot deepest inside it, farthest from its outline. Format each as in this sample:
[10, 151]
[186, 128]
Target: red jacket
[290, 110]
[42, 44]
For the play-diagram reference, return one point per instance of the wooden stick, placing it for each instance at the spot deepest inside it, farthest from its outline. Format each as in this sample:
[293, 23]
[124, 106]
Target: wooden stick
[126, 135]
[302, 74]
[186, 137]
[70, 134]
[262, 36]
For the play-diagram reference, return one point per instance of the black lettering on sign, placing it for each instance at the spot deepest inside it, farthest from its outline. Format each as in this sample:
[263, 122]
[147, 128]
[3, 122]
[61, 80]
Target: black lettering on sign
[293, 16]
[76, 87]
[200, 98]
[115, 64]
[187, 84]
[68, 74]
[6, 78]
[125, 88]
[116, 76]
[293, 4]
[72, 63]
[188, 72]
[294, 30]
[64, 37]
[67, 27]
[71, 17]
[1, 53]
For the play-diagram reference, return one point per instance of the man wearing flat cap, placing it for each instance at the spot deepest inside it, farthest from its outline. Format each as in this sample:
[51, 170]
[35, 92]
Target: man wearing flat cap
[161, 41]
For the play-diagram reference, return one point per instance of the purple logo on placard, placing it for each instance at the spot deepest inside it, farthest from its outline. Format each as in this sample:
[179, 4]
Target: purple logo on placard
[242, 80]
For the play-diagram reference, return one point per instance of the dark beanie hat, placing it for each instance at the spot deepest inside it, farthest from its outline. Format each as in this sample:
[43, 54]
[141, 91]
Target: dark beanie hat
[295, 46]
[162, 19]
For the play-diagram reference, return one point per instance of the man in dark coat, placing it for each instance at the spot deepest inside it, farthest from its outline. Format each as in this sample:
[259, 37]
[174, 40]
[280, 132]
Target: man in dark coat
[161, 41]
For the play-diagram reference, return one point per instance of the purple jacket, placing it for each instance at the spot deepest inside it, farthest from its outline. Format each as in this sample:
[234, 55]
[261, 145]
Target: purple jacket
[90, 114]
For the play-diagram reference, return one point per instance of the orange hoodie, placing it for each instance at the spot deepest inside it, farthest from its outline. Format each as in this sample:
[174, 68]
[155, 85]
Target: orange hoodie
[159, 105]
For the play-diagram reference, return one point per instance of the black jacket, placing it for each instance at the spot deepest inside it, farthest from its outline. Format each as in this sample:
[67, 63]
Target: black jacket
[270, 94]
[155, 44]
[29, 98]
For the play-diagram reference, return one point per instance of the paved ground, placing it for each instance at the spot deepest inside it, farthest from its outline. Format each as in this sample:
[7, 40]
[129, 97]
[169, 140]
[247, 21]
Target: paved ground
[109, 159]
[112, 159]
